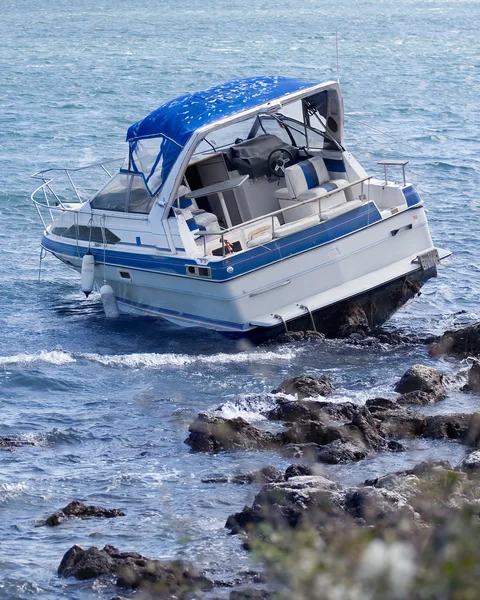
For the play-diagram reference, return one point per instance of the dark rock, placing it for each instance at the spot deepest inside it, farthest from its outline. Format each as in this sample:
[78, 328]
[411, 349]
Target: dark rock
[265, 475]
[14, 442]
[250, 594]
[304, 451]
[340, 452]
[420, 378]
[297, 336]
[296, 470]
[81, 510]
[472, 436]
[289, 503]
[159, 579]
[213, 434]
[316, 432]
[85, 564]
[294, 410]
[305, 386]
[471, 463]
[449, 426]
[354, 321]
[473, 382]
[380, 404]
[465, 341]
[400, 423]
[418, 398]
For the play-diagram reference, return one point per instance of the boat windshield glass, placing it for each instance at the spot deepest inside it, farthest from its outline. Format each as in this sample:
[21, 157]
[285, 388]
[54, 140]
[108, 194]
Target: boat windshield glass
[125, 192]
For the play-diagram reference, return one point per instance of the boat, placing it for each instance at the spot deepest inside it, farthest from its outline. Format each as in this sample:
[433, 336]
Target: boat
[239, 209]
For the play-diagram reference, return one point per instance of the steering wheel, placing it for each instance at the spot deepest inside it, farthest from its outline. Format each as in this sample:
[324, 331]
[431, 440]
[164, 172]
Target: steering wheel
[278, 160]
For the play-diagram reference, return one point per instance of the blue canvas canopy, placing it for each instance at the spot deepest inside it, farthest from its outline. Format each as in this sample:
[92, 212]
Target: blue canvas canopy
[157, 140]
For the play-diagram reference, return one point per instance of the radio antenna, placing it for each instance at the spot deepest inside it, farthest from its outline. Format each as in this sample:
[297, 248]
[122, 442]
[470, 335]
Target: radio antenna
[336, 45]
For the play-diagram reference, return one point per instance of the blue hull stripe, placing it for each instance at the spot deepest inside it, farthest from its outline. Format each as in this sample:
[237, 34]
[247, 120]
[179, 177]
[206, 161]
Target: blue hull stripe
[255, 258]
[309, 173]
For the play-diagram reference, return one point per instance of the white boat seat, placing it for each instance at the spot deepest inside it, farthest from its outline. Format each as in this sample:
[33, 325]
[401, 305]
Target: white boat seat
[299, 225]
[206, 221]
[340, 209]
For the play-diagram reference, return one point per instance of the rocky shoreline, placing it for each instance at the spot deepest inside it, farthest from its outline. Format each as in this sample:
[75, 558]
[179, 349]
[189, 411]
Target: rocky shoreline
[410, 507]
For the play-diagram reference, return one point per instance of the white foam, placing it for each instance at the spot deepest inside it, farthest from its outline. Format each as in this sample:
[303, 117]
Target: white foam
[251, 407]
[12, 490]
[154, 360]
[54, 357]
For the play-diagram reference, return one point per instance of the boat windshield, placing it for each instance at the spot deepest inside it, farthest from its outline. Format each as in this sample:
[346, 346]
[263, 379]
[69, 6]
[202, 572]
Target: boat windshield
[289, 130]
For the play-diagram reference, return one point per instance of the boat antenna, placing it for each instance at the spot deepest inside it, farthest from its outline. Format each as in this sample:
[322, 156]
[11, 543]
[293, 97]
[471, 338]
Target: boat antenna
[336, 46]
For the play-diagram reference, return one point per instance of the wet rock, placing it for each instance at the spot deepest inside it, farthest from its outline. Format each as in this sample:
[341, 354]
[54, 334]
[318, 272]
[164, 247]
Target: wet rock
[159, 579]
[417, 398]
[420, 378]
[448, 427]
[400, 422]
[471, 463]
[265, 475]
[375, 404]
[473, 382]
[294, 410]
[465, 341]
[296, 470]
[213, 434]
[250, 594]
[83, 511]
[289, 503]
[85, 564]
[353, 321]
[472, 436]
[298, 336]
[340, 452]
[301, 451]
[14, 442]
[305, 386]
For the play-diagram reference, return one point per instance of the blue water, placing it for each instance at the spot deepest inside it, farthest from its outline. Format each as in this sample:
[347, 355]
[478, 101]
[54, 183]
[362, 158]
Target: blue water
[108, 404]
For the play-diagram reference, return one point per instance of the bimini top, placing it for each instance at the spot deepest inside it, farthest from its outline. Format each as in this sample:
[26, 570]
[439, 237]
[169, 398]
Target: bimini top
[157, 140]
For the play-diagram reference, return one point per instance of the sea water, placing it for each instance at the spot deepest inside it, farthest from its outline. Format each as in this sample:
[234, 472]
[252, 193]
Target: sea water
[107, 404]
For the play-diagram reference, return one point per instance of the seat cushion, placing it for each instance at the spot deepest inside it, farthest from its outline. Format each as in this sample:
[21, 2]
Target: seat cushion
[290, 228]
[341, 209]
[305, 175]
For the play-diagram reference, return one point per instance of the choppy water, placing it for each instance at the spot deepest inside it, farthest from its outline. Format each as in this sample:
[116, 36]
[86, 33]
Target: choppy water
[108, 404]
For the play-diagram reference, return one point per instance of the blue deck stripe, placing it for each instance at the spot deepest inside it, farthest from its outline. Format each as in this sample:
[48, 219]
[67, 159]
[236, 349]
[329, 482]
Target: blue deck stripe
[255, 258]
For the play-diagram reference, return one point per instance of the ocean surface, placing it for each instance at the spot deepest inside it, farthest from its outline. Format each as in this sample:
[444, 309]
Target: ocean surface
[108, 404]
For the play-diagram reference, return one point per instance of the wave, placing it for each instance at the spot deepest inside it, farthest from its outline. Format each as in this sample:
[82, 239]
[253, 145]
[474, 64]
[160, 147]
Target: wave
[147, 360]
[154, 360]
[54, 357]
[8, 491]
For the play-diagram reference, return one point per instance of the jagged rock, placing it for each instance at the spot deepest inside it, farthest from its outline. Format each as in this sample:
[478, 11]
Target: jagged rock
[465, 341]
[304, 451]
[471, 463]
[420, 378]
[380, 404]
[473, 382]
[265, 475]
[449, 426]
[305, 386]
[298, 336]
[85, 564]
[213, 434]
[250, 594]
[159, 579]
[289, 503]
[354, 321]
[15, 442]
[296, 470]
[294, 410]
[81, 510]
[472, 436]
[417, 398]
[340, 452]
[399, 423]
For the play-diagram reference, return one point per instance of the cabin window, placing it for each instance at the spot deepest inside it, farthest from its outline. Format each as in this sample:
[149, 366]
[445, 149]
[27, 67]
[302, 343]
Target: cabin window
[126, 192]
